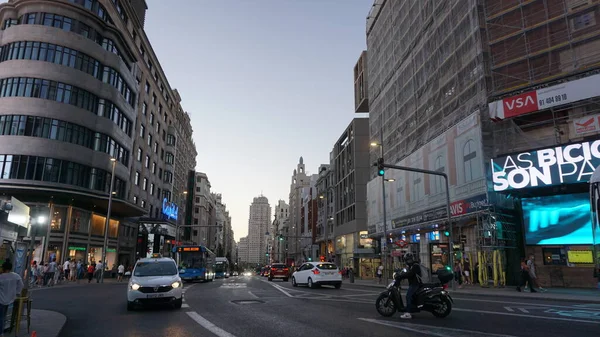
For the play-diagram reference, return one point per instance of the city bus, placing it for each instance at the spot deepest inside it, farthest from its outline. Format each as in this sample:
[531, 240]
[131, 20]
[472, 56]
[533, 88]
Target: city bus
[195, 263]
[222, 267]
[595, 210]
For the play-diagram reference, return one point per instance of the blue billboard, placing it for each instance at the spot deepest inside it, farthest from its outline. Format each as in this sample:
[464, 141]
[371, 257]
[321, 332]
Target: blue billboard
[557, 220]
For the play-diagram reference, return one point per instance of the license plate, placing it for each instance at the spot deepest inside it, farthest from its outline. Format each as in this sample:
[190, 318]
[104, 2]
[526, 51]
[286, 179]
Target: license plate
[156, 295]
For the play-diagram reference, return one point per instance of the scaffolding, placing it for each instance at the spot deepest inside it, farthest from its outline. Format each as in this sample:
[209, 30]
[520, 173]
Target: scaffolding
[426, 72]
[536, 41]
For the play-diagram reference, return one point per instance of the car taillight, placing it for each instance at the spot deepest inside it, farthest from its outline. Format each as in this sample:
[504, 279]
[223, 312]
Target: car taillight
[273, 269]
[339, 272]
[316, 271]
[285, 269]
[445, 286]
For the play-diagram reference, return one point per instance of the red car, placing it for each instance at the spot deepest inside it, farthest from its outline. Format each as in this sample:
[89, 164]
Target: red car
[280, 271]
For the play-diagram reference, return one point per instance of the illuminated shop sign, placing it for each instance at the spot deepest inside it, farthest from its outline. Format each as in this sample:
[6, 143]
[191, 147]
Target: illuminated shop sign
[170, 209]
[569, 164]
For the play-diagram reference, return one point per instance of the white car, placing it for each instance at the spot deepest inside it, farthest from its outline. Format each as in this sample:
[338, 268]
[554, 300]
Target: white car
[315, 274]
[155, 281]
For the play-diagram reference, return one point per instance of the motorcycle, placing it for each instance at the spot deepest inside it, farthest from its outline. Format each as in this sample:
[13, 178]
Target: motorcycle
[431, 297]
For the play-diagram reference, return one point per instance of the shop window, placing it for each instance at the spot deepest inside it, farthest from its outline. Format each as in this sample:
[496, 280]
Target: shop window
[80, 221]
[470, 161]
[77, 252]
[53, 253]
[554, 256]
[59, 217]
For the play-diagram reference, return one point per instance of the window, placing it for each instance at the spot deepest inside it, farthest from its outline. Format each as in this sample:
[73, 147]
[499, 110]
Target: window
[155, 148]
[470, 161]
[145, 184]
[160, 105]
[142, 130]
[143, 204]
[151, 118]
[170, 140]
[147, 87]
[155, 269]
[170, 158]
[135, 199]
[149, 140]
[152, 189]
[417, 186]
[147, 162]
[158, 128]
[136, 180]
[139, 154]
[154, 99]
[439, 185]
[144, 108]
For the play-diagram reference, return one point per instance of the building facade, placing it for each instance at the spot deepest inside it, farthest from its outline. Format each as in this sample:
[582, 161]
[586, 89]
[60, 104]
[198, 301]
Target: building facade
[204, 214]
[242, 253]
[278, 230]
[259, 222]
[294, 238]
[308, 220]
[326, 192]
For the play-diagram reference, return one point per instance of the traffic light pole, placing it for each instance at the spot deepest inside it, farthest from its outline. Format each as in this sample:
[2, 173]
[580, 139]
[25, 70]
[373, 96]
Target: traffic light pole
[381, 165]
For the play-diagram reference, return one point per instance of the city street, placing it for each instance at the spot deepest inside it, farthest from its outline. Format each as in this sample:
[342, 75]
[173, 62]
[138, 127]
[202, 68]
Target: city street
[252, 306]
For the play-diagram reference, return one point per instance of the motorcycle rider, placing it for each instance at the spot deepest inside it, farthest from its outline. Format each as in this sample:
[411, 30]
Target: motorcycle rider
[413, 274]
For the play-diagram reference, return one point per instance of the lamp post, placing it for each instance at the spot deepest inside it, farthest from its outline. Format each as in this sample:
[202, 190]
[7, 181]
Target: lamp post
[40, 220]
[267, 234]
[383, 181]
[106, 225]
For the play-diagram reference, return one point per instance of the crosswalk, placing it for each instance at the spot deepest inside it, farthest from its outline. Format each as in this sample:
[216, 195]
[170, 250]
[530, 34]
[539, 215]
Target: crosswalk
[233, 285]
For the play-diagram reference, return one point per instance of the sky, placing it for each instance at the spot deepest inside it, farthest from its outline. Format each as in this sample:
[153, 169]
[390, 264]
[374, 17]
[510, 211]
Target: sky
[264, 81]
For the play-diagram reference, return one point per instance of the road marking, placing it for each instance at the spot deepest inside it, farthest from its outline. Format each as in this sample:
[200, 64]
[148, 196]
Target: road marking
[282, 290]
[509, 309]
[431, 330]
[185, 305]
[233, 285]
[208, 325]
[251, 294]
[522, 315]
[519, 303]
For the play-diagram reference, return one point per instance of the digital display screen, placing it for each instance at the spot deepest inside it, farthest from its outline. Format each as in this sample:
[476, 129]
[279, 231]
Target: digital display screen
[188, 249]
[557, 220]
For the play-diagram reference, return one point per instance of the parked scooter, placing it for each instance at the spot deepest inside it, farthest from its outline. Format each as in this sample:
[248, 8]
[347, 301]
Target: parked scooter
[431, 297]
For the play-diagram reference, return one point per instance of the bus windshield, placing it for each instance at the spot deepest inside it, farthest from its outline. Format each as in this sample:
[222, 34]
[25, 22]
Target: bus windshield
[191, 260]
[220, 267]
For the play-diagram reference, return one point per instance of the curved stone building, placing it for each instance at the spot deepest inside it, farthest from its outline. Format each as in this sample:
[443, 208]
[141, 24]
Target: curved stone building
[78, 89]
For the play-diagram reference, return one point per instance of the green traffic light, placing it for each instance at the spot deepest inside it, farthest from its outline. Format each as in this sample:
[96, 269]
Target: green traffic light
[310, 259]
[446, 233]
[381, 172]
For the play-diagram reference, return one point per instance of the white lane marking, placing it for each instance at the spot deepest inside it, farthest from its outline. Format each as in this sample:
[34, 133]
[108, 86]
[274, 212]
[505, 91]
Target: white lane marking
[233, 285]
[208, 325]
[523, 315]
[523, 310]
[509, 309]
[520, 303]
[282, 290]
[251, 294]
[429, 330]
[185, 305]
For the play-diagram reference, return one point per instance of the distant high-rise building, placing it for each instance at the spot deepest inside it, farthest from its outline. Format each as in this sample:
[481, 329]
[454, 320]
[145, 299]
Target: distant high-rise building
[299, 181]
[279, 231]
[258, 226]
[243, 250]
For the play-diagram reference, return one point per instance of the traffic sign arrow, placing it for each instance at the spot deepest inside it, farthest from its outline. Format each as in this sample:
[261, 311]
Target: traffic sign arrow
[522, 309]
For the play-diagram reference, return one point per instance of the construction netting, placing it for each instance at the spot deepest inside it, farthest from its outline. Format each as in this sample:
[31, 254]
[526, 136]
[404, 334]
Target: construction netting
[425, 70]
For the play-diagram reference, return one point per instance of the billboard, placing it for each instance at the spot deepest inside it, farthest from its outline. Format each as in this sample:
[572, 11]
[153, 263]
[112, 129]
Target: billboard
[567, 164]
[545, 98]
[557, 220]
[414, 198]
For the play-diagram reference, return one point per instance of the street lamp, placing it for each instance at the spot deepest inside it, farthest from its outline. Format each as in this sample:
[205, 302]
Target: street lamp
[106, 225]
[383, 180]
[40, 220]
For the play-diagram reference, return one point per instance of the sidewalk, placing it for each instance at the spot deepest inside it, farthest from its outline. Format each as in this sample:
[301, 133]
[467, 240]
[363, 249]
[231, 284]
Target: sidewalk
[570, 294]
[44, 322]
[80, 284]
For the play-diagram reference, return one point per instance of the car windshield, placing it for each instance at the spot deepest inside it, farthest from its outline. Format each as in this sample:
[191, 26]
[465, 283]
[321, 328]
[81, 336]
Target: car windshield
[326, 266]
[279, 266]
[158, 268]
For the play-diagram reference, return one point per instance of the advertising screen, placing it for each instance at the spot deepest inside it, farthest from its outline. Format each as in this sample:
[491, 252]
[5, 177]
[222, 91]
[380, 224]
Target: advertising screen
[557, 220]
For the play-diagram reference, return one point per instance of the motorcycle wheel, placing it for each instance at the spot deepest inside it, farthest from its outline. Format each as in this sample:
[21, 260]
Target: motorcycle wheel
[385, 306]
[442, 309]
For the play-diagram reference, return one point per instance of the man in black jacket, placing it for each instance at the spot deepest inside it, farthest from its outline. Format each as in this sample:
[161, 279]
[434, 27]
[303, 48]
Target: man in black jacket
[413, 275]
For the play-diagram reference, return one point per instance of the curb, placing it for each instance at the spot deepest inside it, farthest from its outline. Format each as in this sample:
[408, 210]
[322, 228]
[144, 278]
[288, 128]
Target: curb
[52, 316]
[551, 297]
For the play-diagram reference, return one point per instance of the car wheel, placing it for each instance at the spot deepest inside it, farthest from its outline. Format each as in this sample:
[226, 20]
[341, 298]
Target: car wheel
[294, 284]
[178, 303]
[311, 284]
[130, 306]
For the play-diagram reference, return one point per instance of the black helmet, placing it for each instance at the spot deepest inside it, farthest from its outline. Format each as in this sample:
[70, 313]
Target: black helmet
[409, 258]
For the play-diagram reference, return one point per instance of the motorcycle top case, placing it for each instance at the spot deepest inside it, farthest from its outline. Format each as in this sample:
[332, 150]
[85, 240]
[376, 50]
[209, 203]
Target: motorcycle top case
[445, 275]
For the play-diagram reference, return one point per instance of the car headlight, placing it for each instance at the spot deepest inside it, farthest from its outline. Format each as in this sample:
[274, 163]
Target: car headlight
[135, 286]
[176, 284]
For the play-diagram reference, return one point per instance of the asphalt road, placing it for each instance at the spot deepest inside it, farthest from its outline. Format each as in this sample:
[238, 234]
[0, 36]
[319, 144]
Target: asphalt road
[252, 306]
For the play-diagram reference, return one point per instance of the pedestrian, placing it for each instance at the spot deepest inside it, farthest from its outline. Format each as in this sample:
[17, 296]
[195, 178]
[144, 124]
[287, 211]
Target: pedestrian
[380, 273]
[120, 272]
[532, 275]
[73, 270]
[11, 285]
[50, 273]
[525, 278]
[40, 273]
[33, 274]
[458, 273]
[58, 275]
[99, 271]
[80, 270]
[66, 268]
[467, 271]
[90, 272]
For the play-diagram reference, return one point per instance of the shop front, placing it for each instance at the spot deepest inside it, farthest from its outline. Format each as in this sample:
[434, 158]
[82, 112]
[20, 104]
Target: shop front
[555, 220]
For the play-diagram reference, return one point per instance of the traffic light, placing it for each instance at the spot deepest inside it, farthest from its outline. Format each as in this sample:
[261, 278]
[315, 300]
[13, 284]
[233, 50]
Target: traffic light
[280, 237]
[310, 259]
[380, 168]
[267, 254]
[446, 233]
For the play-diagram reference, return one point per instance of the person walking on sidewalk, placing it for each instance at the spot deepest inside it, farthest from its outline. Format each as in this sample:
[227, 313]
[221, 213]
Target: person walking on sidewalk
[525, 278]
[467, 271]
[379, 273]
[90, 272]
[532, 275]
[11, 285]
[99, 270]
[120, 272]
[50, 273]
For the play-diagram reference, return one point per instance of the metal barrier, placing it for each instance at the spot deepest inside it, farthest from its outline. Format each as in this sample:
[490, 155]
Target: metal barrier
[16, 315]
